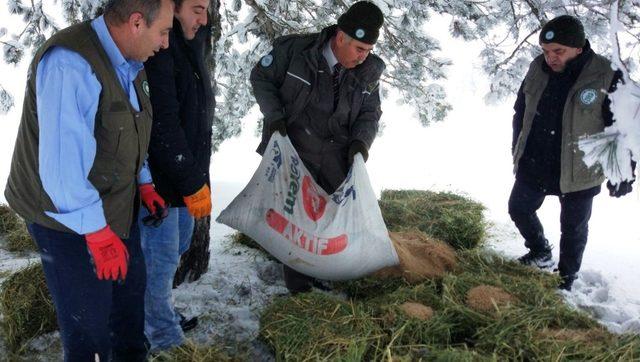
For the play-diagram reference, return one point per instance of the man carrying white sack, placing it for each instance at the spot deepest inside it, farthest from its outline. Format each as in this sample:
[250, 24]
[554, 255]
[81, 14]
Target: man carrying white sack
[322, 90]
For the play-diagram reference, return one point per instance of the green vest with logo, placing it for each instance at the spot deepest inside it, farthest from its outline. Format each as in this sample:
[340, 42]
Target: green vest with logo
[582, 116]
[122, 138]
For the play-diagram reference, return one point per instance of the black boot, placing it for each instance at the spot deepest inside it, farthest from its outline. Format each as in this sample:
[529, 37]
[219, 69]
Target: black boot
[296, 282]
[567, 282]
[187, 324]
[539, 258]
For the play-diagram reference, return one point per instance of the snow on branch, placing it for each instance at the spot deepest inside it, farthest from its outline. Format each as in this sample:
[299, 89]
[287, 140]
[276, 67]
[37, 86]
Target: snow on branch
[6, 101]
[619, 144]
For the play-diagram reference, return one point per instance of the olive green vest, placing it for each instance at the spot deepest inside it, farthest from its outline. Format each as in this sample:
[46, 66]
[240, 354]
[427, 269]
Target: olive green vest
[122, 137]
[582, 116]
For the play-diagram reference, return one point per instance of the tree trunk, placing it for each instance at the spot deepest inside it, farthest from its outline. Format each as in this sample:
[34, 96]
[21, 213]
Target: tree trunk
[195, 261]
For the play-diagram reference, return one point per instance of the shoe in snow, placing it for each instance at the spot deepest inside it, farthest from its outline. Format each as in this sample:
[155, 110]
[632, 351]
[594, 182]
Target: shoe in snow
[187, 324]
[541, 259]
[567, 282]
[322, 285]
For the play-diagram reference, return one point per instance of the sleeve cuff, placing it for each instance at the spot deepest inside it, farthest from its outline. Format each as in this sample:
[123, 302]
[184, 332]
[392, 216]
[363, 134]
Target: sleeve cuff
[144, 177]
[82, 221]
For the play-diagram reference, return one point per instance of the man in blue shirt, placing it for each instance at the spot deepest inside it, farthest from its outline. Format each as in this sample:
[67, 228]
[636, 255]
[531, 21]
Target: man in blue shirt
[79, 169]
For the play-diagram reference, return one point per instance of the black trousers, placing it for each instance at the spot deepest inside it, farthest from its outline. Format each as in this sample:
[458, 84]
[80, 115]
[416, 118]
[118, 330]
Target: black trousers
[575, 212]
[96, 317]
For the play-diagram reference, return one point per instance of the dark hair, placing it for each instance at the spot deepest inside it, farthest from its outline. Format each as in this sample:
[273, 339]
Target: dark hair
[118, 11]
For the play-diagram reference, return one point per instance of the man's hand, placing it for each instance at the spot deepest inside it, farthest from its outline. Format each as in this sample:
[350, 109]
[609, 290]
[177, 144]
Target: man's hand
[279, 125]
[199, 204]
[621, 189]
[355, 148]
[109, 254]
[155, 204]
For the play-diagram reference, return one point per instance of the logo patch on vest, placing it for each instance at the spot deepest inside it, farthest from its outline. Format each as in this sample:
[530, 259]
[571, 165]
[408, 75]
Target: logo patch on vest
[145, 87]
[549, 35]
[371, 87]
[267, 60]
[360, 33]
[588, 96]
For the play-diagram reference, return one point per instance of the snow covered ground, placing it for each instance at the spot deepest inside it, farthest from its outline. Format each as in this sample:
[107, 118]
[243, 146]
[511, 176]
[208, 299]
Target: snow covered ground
[468, 153]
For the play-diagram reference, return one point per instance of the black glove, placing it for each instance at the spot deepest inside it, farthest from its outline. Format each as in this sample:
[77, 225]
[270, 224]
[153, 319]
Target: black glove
[358, 147]
[620, 190]
[155, 219]
[279, 125]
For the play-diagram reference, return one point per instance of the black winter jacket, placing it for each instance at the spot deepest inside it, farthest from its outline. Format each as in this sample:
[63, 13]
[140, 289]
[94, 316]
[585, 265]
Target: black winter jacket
[286, 81]
[183, 105]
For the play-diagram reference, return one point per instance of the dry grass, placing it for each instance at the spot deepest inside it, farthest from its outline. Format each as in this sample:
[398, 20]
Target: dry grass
[191, 352]
[27, 308]
[14, 231]
[523, 318]
[455, 219]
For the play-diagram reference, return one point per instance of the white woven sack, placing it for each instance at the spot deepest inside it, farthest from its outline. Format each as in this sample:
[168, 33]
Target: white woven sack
[333, 237]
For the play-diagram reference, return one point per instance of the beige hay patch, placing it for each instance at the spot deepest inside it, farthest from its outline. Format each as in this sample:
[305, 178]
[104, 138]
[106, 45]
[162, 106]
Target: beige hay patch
[485, 298]
[573, 335]
[417, 310]
[421, 257]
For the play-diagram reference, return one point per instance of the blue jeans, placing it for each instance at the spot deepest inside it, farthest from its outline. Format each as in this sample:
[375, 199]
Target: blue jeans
[95, 316]
[162, 248]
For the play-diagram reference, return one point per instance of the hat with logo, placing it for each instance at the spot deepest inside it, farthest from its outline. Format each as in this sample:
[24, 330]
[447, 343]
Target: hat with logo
[565, 30]
[362, 22]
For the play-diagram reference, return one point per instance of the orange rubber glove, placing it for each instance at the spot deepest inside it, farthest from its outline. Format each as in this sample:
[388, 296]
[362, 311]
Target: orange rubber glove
[199, 204]
[109, 254]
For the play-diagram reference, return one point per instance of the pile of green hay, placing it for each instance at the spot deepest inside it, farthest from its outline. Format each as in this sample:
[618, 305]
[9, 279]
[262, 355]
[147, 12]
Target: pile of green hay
[452, 218]
[522, 317]
[244, 239]
[8, 219]
[190, 352]
[14, 231]
[26, 306]
[315, 326]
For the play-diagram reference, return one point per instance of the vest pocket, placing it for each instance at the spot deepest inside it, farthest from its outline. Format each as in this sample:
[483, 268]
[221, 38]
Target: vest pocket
[117, 140]
[103, 174]
[580, 172]
[108, 132]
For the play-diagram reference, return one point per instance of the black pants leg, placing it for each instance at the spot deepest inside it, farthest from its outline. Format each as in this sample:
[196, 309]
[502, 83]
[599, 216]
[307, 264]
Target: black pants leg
[85, 305]
[574, 224]
[295, 281]
[523, 204]
[127, 311]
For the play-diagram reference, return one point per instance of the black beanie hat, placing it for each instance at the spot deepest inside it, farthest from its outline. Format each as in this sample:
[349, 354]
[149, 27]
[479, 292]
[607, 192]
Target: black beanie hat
[565, 30]
[362, 22]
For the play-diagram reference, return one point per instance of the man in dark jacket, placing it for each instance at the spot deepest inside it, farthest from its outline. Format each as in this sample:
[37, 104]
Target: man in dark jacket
[322, 91]
[179, 155]
[561, 99]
